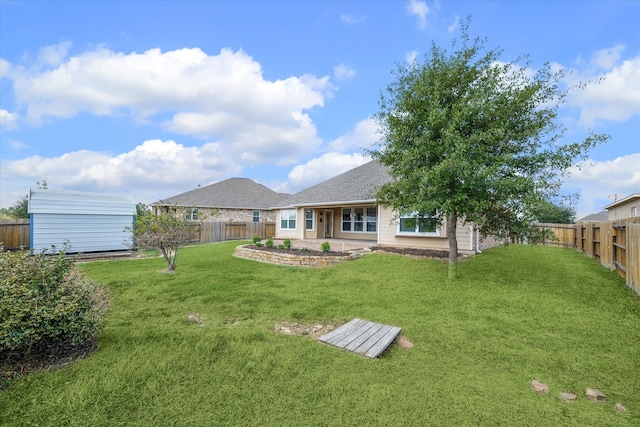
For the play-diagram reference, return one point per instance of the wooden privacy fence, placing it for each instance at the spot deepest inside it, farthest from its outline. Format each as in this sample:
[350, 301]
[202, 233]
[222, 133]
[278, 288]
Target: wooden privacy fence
[616, 244]
[14, 233]
[223, 231]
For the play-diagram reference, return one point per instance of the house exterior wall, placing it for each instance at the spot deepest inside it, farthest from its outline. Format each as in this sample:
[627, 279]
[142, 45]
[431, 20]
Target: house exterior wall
[389, 235]
[224, 214]
[297, 233]
[625, 210]
[242, 215]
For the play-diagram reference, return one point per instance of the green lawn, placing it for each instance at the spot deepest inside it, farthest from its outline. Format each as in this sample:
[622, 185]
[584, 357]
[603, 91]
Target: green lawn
[515, 314]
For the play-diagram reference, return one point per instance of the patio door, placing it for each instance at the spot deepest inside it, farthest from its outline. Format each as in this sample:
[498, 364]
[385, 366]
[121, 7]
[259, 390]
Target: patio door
[328, 224]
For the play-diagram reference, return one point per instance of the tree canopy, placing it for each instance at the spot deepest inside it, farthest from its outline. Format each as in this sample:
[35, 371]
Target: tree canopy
[467, 136]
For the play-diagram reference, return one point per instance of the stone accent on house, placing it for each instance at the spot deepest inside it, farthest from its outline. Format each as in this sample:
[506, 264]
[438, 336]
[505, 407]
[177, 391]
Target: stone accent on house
[239, 215]
[295, 260]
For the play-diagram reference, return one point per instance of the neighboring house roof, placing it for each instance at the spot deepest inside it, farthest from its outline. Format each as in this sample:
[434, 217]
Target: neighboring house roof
[233, 193]
[356, 185]
[596, 217]
[623, 201]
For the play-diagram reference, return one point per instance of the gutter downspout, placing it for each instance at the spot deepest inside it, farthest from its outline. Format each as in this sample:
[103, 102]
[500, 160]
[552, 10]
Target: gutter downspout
[478, 251]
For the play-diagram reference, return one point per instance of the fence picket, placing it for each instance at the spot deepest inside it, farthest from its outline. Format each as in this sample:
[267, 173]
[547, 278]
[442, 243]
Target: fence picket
[616, 244]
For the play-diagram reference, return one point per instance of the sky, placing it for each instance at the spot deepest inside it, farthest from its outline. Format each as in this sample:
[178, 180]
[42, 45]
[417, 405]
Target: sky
[155, 98]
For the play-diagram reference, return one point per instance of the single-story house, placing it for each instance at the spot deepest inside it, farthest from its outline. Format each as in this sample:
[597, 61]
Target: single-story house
[231, 200]
[84, 222]
[345, 207]
[627, 207]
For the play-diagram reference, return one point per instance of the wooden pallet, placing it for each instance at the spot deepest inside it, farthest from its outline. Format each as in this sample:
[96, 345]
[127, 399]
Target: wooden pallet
[359, 336]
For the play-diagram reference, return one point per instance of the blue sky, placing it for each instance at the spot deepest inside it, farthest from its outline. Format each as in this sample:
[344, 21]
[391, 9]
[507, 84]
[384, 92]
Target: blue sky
[155, 98]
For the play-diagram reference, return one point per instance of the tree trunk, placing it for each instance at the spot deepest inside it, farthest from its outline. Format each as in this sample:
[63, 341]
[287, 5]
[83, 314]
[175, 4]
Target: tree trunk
[452, 223]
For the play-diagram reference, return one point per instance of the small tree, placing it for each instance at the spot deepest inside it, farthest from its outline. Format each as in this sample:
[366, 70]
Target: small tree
[467, 136]
[20, 209]
[165, 232]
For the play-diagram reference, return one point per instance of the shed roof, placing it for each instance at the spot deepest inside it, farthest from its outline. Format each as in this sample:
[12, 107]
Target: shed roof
[233, 193]
[356, 185]
[79, 203]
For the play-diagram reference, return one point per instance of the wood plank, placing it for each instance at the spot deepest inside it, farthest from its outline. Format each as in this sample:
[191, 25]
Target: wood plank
[384, 342]
[344, 330]
[354, 334]
[362, 337]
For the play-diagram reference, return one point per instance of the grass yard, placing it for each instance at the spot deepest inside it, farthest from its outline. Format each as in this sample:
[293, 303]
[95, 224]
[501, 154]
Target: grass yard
[516, 313]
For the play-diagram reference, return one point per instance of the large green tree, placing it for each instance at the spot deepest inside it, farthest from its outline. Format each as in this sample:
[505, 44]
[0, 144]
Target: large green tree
[469, 137]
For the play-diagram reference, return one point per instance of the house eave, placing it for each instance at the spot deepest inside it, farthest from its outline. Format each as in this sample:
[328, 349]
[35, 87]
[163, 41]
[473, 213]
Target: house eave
[623, 201]
[329, 204]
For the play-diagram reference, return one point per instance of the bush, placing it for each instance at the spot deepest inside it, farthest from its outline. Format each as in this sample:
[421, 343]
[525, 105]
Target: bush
[256, 240]
[280, 246]
[44, 303]
[268, 243]
[287, 243]
[325, 247]
[304, 250]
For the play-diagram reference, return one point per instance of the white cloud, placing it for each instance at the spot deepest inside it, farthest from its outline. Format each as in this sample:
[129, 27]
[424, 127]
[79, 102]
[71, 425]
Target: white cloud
[363, 136]
[152, 170]
[616, 97]
[8, 120]
[454, 26]
[220, 97]
[420, 10]
[352, 19]
[320, 169]
[596, 180]
[54, 55]
[410, 57]
[343, 71]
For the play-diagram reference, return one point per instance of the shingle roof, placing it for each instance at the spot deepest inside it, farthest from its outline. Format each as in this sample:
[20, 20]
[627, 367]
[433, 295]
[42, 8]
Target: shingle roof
[356, 185]
[233, 193]
[596, 217]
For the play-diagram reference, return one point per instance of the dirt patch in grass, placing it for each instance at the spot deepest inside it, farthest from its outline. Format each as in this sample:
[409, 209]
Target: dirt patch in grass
[313, 330]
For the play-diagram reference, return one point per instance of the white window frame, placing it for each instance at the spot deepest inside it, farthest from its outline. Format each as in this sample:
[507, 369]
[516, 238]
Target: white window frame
[291, 218]
[192, 215]
[416, 231]
[307, 219]
[254, 217]
[353, 220]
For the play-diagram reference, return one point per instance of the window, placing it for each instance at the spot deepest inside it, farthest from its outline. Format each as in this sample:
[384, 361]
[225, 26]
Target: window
[192, 214]
[372, 219]
[346, 219]
[418, 224]
[634, 211]
[308, 216]
[256, 216]
[360, 219]
[288, 219]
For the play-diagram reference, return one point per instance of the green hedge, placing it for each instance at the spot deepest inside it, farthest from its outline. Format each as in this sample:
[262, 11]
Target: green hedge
[44, 301]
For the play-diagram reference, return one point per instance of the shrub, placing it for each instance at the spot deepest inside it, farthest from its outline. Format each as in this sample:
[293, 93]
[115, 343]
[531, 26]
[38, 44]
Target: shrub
[268, 243]
[303, 249]
[44, 304]
[325, 247]
[258, 245]
[280, 246]
[287, 243]
[256, 240]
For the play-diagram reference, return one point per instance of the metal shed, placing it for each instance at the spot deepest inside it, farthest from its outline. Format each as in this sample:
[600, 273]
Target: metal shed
[86, 222]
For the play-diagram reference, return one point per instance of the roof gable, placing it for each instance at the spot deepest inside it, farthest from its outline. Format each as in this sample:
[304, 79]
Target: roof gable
[233, 193]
